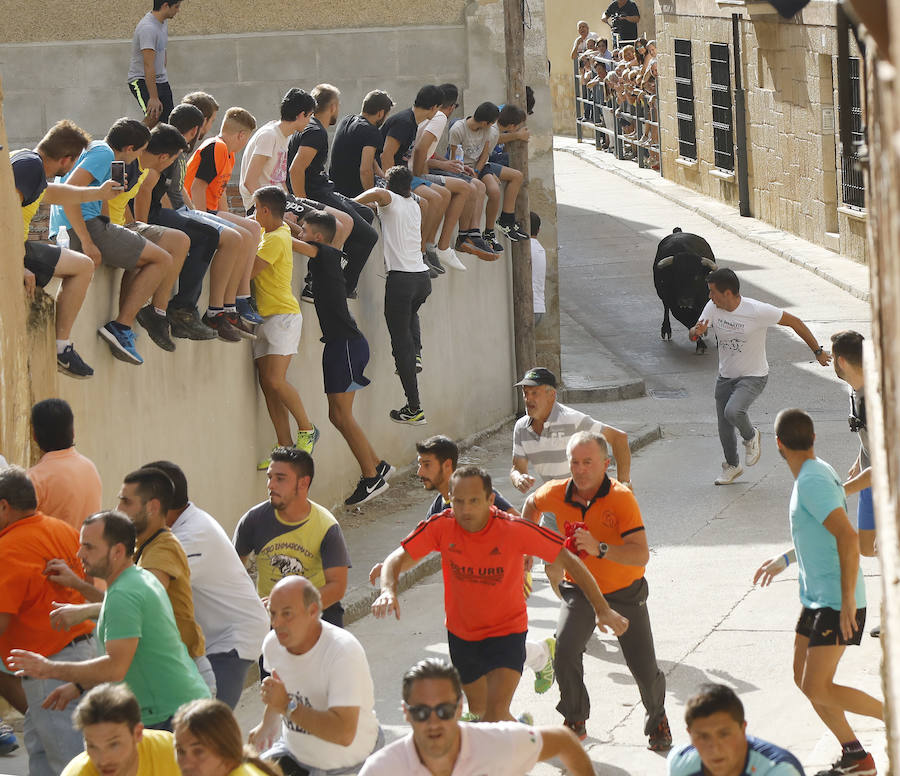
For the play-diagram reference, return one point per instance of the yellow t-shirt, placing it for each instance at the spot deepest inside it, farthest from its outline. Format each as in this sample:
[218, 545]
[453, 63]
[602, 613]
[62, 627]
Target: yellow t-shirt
[247, 769]
[28, 212]
[274, 295]
[156, 757]
[117, 204]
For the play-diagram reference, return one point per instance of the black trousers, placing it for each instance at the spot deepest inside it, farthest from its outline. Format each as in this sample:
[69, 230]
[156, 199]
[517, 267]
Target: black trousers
[204, 242]
[404, 294]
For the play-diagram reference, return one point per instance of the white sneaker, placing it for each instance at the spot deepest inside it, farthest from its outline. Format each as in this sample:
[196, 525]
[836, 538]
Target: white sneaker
[751, 449]
[449, 259]
[729, 474]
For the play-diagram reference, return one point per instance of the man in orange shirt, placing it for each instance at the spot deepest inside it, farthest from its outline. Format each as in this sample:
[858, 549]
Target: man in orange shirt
[28, 540]
[483, 551]
[67, 484]
[614, 548]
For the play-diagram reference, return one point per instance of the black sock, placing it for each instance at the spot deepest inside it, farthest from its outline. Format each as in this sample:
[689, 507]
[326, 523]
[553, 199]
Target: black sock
[507, 218]
[853, 749]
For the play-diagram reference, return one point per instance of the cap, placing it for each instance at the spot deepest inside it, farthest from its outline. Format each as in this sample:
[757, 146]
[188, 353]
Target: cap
[538, 376]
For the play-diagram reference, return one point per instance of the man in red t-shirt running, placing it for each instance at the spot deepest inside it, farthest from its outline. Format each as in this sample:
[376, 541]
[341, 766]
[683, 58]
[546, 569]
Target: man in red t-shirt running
[483, 552]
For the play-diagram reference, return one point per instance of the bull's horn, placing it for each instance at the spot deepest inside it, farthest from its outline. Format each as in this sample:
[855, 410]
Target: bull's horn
[666, 262]
[708, 263]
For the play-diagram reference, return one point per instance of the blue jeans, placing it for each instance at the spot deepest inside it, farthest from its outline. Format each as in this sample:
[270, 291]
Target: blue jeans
[231, 672]
[281, 754]
[50, 738]
[733, 398]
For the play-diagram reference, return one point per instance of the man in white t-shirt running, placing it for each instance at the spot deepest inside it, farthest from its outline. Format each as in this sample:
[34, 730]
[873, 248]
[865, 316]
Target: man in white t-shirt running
[740, 324]
[439, 743]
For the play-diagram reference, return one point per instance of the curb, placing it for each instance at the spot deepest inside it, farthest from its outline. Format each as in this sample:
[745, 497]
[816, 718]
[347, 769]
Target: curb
[632, 389]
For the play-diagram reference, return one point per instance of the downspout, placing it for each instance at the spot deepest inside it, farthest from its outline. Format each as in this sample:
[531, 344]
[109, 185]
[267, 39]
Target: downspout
[740, 120]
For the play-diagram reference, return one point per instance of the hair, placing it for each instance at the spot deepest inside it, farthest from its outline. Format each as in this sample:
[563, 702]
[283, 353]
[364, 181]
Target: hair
[376, 101]
[158, 4]
[510, 115]
[152, 484]
[127, 132]
[311, 595]
[583, 437]
[487, 111]
[272, 197]
[794, 428]
[64, 138]
[848, 345]
[529, 100]
[429, 96]
[470, 470]
[237, 119]
[450, 94]
[580, 22]
[166, 139]
[205, 102]
[712, 698]
[214, 725]
[431, 668]
[441, 447]
[295, 102]
[535, 223]
[17, 490]
[117, 529]
[186, 117]
[322, 222]
[324, 95]
[724, 280]
[399, 180]
[301, 461]
[179, 481]
[604, 41]
[53, 424]
[107, 702]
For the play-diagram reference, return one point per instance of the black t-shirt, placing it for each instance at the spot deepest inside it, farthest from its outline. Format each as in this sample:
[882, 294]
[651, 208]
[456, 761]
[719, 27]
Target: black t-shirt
[624, 29]
[438, 505]
[402, 127]
[29, 175]
[315, 136]
[330, 292]
[353, 134]
[171, 182]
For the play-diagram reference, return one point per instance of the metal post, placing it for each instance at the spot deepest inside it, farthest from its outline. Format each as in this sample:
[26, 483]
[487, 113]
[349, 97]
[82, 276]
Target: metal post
[740, 119]
[577, 82]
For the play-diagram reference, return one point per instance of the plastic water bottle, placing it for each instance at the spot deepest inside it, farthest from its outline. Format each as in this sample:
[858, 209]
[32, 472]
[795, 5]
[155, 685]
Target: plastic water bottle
[458, 154]
[62, 237]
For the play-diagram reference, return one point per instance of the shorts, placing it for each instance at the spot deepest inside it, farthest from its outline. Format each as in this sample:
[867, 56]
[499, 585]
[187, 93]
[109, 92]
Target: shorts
[41, 259]
[823, 627]
[490, 168]
[278, 335]
[461, 175]
[417, 181]
[210, 219]
[474, 659]
[150, 232]
[343, 363]
[119, 247]
[865, 509]
[434, 178]
[163, 90]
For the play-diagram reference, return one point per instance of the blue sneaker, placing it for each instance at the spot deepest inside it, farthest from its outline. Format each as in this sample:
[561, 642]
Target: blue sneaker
[247, 313]
[121, 343]
[8, 742]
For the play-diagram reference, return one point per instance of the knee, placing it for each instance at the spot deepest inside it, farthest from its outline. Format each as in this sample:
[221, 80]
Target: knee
[337, 418]
[734, 414]
[814, 690]
[515, 175]
[479, 187]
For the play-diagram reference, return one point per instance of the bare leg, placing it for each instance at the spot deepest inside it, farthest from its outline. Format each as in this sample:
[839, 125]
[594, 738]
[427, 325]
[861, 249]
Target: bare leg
[476, 696]
[281, 397]
[241, 284]
[177, 244]
[76, 271]
[501, 686]
[513, 179]
[460, 192]
[340, 413]
[438, 198]
[493, 200]
[222, 268]
[152, 266]
[471, 215]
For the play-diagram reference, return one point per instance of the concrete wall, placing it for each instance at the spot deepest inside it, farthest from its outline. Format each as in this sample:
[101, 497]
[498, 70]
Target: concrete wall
[791, 88]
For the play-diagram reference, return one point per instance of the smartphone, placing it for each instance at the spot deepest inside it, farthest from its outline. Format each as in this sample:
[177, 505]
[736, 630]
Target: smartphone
[117, 172]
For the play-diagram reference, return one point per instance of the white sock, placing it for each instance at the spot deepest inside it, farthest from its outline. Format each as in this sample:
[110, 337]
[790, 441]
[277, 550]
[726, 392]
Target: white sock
[61, 345]
[159, 312]
[537, 653]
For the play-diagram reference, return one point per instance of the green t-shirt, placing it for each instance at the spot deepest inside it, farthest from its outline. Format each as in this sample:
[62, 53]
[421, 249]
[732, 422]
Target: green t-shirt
[161, 674]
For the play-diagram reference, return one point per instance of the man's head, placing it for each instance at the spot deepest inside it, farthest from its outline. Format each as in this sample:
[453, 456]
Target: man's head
[189, 121]
[146, 497]
[238, 126]
[318, 226]
[724, 288]
[179, 482]
[471, 497]
[53, 425]
[270, 202]
[127, 137]
[295, 606]
[167, 9]
[297, 106]
[107, 543]
[376, 106]
[207, 105]
[716, 725]
[539, 391]
[428, 99]
[485, 114]
[328, 103]
[450, 100]
[510, 117]
[63, 144]
[588, 455]
[794, 431]
[583, 28]
[602, 45]
[208, 738]
[17, 496]
[535, 224]
[289, 476]
[432, 692]
[847, 349]
[437, 457]
[165, 145]
[109, 718]
[399, 180]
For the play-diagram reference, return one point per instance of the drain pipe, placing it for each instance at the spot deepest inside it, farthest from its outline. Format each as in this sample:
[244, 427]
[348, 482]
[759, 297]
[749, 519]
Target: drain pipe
[740, 119]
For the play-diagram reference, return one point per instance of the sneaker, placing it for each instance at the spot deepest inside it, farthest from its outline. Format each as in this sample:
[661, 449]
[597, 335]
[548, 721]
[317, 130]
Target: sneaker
[8, 741]
[157, 327]
[449, 257]
[477, 247]
[751, 449]
[264, 464]
[306, 440]
[307, 294]
[543, 679]
[367, 488]
[864, 766]
[875, 633]
[222, 326]
[247, 313]
[578, 728]
[525, 718]
[186, 324]
[419, 365]
[729, 474]
[70, 363]
[385, 470]
[660, 740]
[468, 716]
[491, 239]
[409, 416]
[512, 231]
[244, 329]
[433, 263]
[121, 343]
[352, 295]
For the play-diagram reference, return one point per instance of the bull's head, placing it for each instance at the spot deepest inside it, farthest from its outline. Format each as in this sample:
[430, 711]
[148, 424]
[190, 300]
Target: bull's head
[669, 260]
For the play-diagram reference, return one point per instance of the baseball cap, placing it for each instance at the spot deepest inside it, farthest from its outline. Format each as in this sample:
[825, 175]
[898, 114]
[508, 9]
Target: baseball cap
[538, 376]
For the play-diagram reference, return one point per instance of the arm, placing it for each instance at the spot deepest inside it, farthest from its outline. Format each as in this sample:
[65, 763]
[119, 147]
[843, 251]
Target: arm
[806, 335]
[111, 667]
[838, 525]
[367, 167]
[141, 203]
[519, 476]
[634, 551]
[858, 482]
[561, 742]
[420, 160]
[81, 177]
[164, 579]
[621, 452]
[67, 616]
[154, 105]
[394, 565]
[301, 161]
[298, 246]
[483, 157]
[376, 195]
[606, 617]
[335, 586]
[774, 566]
[198, 191]
[510, 137]
[530, 512]
[264, 734]
[389, 152]
[57, 571]
[66, 194]
[253, 179]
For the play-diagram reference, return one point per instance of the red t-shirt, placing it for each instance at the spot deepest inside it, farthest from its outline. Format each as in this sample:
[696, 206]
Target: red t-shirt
[212, 162]
[483, 571]
[26, 594]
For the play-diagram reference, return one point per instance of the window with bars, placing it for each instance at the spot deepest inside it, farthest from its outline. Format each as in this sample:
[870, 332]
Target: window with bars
[723, 124]
[853, 191]
[684, 96]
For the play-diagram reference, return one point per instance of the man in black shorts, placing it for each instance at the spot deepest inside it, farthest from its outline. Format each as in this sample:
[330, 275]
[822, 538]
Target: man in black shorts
[346, 351]
[354, 150]
[148, 78]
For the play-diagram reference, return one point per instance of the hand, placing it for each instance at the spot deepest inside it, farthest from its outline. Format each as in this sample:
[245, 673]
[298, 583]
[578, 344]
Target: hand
[290, 217]
[60, 697]
[824, 358]
[30, 664]
[109, 190]
[261, 739]
[59, 572]
[265, 602]
[613, 621]
[699, 329]
[385, 604]
[274, 693]
[154, 107]
[585, 541]
[90, 250]
[468, 171]
[628, 484]
[854, 470]
[769, 570]
[375, 574]
[523, 482]
[848, 619]
[523, 134]
[67, 616]
[30, 284]
[455, 166]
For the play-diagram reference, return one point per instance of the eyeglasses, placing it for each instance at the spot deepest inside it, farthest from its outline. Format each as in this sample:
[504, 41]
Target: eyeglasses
[422, 712]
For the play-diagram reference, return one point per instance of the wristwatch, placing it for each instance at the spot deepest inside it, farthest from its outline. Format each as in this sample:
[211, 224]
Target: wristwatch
[818, 351]
[291, 708]
[602, 550]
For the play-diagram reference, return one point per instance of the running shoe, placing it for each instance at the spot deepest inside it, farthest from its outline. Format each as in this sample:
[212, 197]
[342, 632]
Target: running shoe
[433, 263]
[468, 716]
[367, 488]
[448, 256]
[8, 741]
[385, 470]
[491, 239]
[307, 294]
[247, 313]
[543, 679]
[157, 327]
[70, 363]
[512, 231]
[660, 739]
[186, 324]
[222, 326]
[419, 364]
[409, 416]
[578, 728]
[472, 243]
[526, 718]
[244, 329]
[729, 474]
[751, 449]
[306, 440]
[121, 342]
[860, 766]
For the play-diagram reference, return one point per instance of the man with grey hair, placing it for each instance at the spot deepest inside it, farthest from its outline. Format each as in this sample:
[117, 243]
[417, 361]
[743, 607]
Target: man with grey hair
[604, 522]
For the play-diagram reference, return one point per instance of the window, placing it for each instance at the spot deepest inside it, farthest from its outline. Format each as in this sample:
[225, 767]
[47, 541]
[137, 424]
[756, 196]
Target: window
[723, 126]
[684, 95]
[853, 192]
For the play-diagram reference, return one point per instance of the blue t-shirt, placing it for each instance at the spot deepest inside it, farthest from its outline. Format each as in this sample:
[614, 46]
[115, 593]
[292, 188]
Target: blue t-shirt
[817, 493]
[763, 759]
[96, 159]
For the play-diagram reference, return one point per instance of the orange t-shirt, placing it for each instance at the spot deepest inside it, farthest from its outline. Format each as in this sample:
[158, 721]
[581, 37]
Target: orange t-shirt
[611, 516]
[26, 594]
[484, 571]
[212, 162]
[67, 486]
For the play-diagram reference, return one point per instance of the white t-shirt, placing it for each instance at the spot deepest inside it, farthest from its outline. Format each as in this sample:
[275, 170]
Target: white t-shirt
[268, 141]
[538, 275]
[742, 336]
[436, 127]
[3, 462]
[472, 141]
[333, 673]
[486, 749]
[226, 605]
[401, 230]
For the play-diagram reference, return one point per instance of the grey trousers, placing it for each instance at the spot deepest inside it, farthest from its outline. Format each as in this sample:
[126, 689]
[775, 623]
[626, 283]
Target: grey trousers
[573, 630]
[733, 398]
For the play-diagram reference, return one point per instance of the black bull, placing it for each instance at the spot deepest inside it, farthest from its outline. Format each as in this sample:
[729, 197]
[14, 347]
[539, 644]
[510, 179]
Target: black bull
[683, 260]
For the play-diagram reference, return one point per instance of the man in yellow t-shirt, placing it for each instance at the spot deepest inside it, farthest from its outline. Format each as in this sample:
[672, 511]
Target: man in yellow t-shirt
[278, 336]
[116, 742]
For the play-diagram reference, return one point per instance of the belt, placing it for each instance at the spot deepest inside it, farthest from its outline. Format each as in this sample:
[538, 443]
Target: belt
[78, 639]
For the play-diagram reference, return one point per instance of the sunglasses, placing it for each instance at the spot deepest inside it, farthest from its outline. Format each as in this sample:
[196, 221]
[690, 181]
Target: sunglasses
[444, 711]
